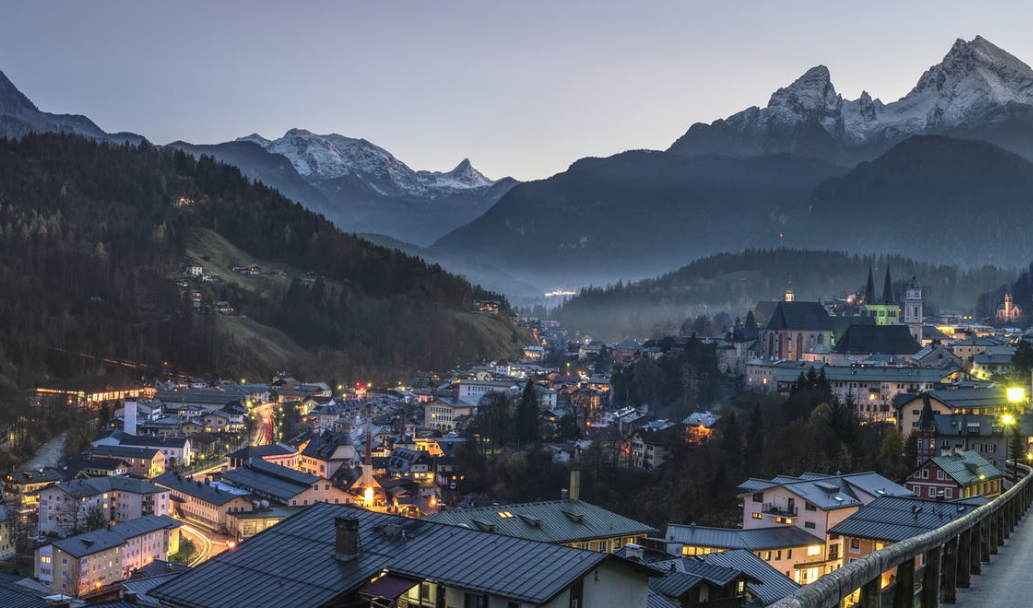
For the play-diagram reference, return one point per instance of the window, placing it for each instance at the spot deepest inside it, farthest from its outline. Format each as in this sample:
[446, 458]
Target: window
[813, 550]
[932, 492]
[925, 473]
[809, 525]
[808, 506]
[949, 493]
[756, 516]
[767, 556]
[471, 600]
[855, 545]
[758, 497]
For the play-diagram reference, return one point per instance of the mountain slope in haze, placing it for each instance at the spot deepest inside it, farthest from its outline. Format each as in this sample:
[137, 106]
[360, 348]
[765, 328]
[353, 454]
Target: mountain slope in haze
[360, 186]
[93, 237]
[978, 91]
[19, 117]
[934, 198]
[638, 213]
[735, 282]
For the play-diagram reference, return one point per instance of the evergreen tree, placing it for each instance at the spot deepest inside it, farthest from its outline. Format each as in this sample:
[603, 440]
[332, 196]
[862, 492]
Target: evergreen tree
[527, 428]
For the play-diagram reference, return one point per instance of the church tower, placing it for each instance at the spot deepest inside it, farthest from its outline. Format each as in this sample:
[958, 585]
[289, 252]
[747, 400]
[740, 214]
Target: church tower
[789, 296]
[913, 308]
[885, 311]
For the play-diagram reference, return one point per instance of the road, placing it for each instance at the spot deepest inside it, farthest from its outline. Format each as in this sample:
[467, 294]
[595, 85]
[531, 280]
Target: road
[207, 543]
[1004, 582]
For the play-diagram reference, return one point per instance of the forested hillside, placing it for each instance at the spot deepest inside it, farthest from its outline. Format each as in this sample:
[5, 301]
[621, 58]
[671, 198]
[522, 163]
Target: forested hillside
[93, 236]
[735, 282]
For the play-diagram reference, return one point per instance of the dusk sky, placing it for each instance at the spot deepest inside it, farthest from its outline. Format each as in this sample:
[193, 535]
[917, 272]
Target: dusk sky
[521, 88]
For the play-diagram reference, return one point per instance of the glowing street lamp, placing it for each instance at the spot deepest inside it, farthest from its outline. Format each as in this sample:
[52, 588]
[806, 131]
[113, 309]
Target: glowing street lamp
[1016, 394]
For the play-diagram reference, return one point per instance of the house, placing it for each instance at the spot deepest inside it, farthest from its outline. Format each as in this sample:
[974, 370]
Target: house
[787, 549]
[89, 561]
[344, 556]
[996, 360]
[571, 522]
[327, 453]
[956, 475]
[207, 502]
[893, 519]
[194, 270]
[696, 583]
[66, 507]
[767, 586]
[103, 467]
[649, 448]
[471, 391]
[533, 353]
[417, 465]
[699, 427]
[21, 493]
[626, 350]
[815, 503]
[143, 462]
[991, 401]
[245, 524]
[793, 329]
[274, 453]
[285, 486]
[983, 434]
[8, 523]
[937, 356]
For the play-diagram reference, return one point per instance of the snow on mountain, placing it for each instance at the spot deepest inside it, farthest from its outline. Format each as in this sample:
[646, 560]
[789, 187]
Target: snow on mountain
[976, 84]
[336, 157]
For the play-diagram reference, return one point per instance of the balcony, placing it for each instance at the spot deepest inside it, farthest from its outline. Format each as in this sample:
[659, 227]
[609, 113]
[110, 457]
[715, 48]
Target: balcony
[784, 511]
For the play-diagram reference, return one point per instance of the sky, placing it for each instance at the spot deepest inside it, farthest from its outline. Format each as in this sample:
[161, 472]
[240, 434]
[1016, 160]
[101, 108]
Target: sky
[521, 88]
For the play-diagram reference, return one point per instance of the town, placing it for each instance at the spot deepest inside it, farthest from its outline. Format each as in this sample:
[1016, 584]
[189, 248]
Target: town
[188, 478]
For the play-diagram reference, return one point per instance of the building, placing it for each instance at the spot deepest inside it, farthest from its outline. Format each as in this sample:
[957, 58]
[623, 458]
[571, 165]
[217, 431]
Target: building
[860, 342]
[884, 310]
[175, 449]
[696, 583]
[956, 475]
[699, 427]
[984, 434]
[814, 503]
[273, 453]
[996, 360]
[992, 401]
[913, 308]
[67, 507]
[788, 549]
[21, 493]
[285, 486]
[572, 523]
[344, 555]
[245, 524]
[649, 448]
[8, 523]
[1008, 312]
[327, 453]
[144, 463]
[89, 561]
[204, 501]
[471, 391]
[890, 520]
[793, 329]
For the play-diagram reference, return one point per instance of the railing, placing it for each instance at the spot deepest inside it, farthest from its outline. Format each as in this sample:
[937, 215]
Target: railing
[952, 554]
[773, 509]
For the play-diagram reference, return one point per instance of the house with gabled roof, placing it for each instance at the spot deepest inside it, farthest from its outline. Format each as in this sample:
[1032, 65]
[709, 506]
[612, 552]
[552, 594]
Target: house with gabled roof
[697, 583]
[989, 401]
[793, 329]
[956, 475]
[326, 453]
[343, 555]
[815, 503]
[286, 486]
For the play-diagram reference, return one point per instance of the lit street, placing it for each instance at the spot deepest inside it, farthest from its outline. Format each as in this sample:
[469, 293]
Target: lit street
[207, 543]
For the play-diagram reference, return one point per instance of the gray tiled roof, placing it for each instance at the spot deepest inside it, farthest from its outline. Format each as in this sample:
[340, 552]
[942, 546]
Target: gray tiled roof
[967, 468]
[755, 539]
[773, 585]
[893, 519]
[293, 564]
[272, 480]
[106, 538]
[886, 339]
[15, 598]
[197, 489]
[657, 600]
[829, 492]
[555, 521]
[258, 451]
[800, 315]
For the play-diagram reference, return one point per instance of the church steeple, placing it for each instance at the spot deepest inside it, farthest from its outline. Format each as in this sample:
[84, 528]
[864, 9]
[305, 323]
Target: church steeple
[887, 289]
[869, 290]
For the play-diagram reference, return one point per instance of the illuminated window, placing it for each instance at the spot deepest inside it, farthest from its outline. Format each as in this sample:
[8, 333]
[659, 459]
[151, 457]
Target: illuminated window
[505, 514]
[757, 516]
[813, 550]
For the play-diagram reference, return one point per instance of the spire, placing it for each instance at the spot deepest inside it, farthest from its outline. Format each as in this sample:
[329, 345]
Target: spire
[887, 289]
[926, 421]
[869, 290]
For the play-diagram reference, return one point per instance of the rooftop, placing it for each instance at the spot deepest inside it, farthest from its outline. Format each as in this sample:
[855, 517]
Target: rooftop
[106, 538]
[756, 539]
[829, 492]
[893, 519]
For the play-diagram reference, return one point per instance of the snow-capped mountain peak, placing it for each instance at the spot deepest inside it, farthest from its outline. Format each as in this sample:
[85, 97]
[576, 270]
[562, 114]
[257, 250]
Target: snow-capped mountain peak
[325, 158]
[977, 84]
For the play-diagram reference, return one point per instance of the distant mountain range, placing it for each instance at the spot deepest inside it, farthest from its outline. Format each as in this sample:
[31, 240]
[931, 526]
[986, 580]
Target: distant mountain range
[360, 186]
[19, 116]
[798, 167]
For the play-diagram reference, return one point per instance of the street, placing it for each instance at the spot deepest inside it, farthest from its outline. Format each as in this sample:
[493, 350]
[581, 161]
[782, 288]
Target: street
[207, 543]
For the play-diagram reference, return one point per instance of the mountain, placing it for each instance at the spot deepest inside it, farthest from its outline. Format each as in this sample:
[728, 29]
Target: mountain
[933, 198]
[19, 116]
[94, 237]
[735, 282]
[638, 213]
[360, 186]
[978, 91]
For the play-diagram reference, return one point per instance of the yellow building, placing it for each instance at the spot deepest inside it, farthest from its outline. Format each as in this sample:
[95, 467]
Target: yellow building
[78, 564]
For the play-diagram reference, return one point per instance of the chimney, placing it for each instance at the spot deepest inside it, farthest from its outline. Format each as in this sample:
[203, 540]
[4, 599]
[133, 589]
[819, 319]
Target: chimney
[346, 539]
[129, 417]
[575, 485]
